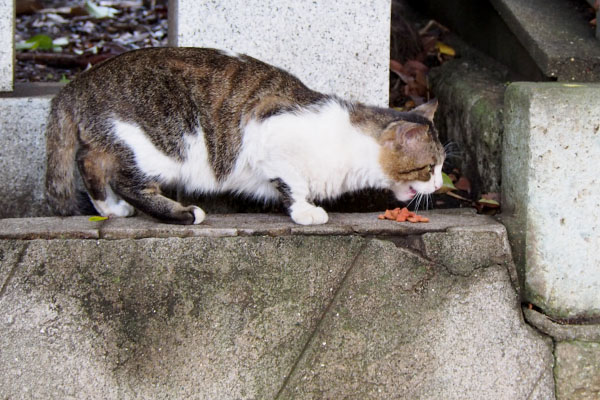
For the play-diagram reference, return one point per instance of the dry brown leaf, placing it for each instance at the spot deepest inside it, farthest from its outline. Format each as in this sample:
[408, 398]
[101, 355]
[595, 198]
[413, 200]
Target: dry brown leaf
[463, 184]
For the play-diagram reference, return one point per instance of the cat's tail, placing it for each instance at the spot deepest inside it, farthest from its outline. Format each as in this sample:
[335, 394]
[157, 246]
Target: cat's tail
[62, 194]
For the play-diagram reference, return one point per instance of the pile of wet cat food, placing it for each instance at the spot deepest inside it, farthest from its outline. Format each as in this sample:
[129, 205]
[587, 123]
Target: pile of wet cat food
[402, 215]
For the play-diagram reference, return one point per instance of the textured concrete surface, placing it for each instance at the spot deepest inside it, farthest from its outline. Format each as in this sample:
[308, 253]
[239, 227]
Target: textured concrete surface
[561, 331]
[427, 335]
[470, 116]
[7, 55]
[23, 151]
[556, 36]
[551, 195]
[244, 225]
[334, 47]
[577, 370]
[281, 313]
[163, 318]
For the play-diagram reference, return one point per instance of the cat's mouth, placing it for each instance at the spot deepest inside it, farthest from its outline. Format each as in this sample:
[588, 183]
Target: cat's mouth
[412, 192]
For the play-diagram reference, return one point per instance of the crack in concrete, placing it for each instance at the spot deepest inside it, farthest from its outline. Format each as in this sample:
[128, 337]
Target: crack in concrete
[537, 384]
[13, 270]
[324, 314]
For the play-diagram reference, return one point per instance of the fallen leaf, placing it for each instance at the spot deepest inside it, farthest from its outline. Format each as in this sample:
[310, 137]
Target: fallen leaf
[414, 65]
[42, 42]
[100, 12]
[463, 184]
[491, 196]
[489, 203]
[97, 218]
[446, 181]
[445, 49]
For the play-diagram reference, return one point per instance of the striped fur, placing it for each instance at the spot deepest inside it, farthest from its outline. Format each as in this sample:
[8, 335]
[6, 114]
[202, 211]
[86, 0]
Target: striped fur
[206, 121]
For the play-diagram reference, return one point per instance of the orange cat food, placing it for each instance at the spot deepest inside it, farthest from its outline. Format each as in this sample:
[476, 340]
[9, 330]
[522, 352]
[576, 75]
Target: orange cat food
[402, 215]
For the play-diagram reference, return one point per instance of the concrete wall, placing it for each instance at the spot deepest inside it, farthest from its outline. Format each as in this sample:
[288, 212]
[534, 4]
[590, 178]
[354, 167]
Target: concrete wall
[339, 47]
[255, 307]
[23, 116]
[7, 13]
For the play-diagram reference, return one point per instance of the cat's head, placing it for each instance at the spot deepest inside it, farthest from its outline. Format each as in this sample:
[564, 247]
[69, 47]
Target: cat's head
[412, 155]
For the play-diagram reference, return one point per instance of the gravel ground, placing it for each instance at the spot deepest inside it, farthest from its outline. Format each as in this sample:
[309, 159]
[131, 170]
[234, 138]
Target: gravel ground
[88, 40]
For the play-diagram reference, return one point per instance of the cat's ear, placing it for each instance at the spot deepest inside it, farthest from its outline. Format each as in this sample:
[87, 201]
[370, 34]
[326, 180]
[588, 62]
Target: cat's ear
[427, 110]
[404, 135]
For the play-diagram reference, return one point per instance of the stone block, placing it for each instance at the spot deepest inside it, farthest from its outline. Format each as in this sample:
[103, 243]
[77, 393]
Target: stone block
[577, 370]
[462, 250]
[7, 56]
[23, 153]
[551, 194]
[470, 117]
[402, 328]
[162, 318]
[334, 47]
[293, 315]
[555, 35]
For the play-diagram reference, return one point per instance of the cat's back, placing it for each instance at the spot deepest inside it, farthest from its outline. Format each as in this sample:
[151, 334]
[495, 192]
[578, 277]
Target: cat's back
[203, 74]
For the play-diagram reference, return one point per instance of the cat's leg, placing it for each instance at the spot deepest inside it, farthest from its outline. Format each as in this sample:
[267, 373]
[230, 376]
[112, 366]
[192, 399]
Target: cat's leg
[294, 198]
[94, 167]
[148, 198]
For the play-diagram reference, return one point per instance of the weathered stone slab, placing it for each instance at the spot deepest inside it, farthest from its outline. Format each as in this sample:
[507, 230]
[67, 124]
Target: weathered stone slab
[471, 99]
[294, 315]
[551, 194]
[577, 370]
[163, 318]
[562, 331]
[23, 152]
[7, 23]
[403, 328]
[333, 47]
[225, 225]
[556, 37]
[462, 250]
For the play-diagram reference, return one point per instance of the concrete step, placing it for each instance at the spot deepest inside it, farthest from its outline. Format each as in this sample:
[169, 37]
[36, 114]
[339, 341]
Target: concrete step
[255, 307]
[559, 39]
[539, 140]
[537, 39]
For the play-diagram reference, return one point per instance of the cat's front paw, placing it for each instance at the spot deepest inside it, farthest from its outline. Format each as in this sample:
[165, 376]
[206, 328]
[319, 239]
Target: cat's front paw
[198, 213]
[309, 216]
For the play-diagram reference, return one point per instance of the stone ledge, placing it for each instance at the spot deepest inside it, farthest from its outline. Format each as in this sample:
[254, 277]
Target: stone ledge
[226, 225]
[561, 331]
[557, 38]
[300, 315]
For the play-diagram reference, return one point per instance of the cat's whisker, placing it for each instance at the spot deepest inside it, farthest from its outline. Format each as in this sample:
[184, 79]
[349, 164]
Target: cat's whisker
[419, 198]
[452, 150]
[411, 201]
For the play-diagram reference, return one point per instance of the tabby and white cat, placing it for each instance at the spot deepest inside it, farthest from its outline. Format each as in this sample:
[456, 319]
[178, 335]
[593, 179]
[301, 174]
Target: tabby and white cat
[207, 121]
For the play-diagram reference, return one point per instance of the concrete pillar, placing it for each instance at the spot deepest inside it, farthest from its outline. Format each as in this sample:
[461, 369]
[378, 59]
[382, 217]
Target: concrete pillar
[7, 24]
[551, 194]
[339, 47]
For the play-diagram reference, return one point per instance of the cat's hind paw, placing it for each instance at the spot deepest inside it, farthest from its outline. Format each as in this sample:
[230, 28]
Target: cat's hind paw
[310, 216]
[113, 207]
